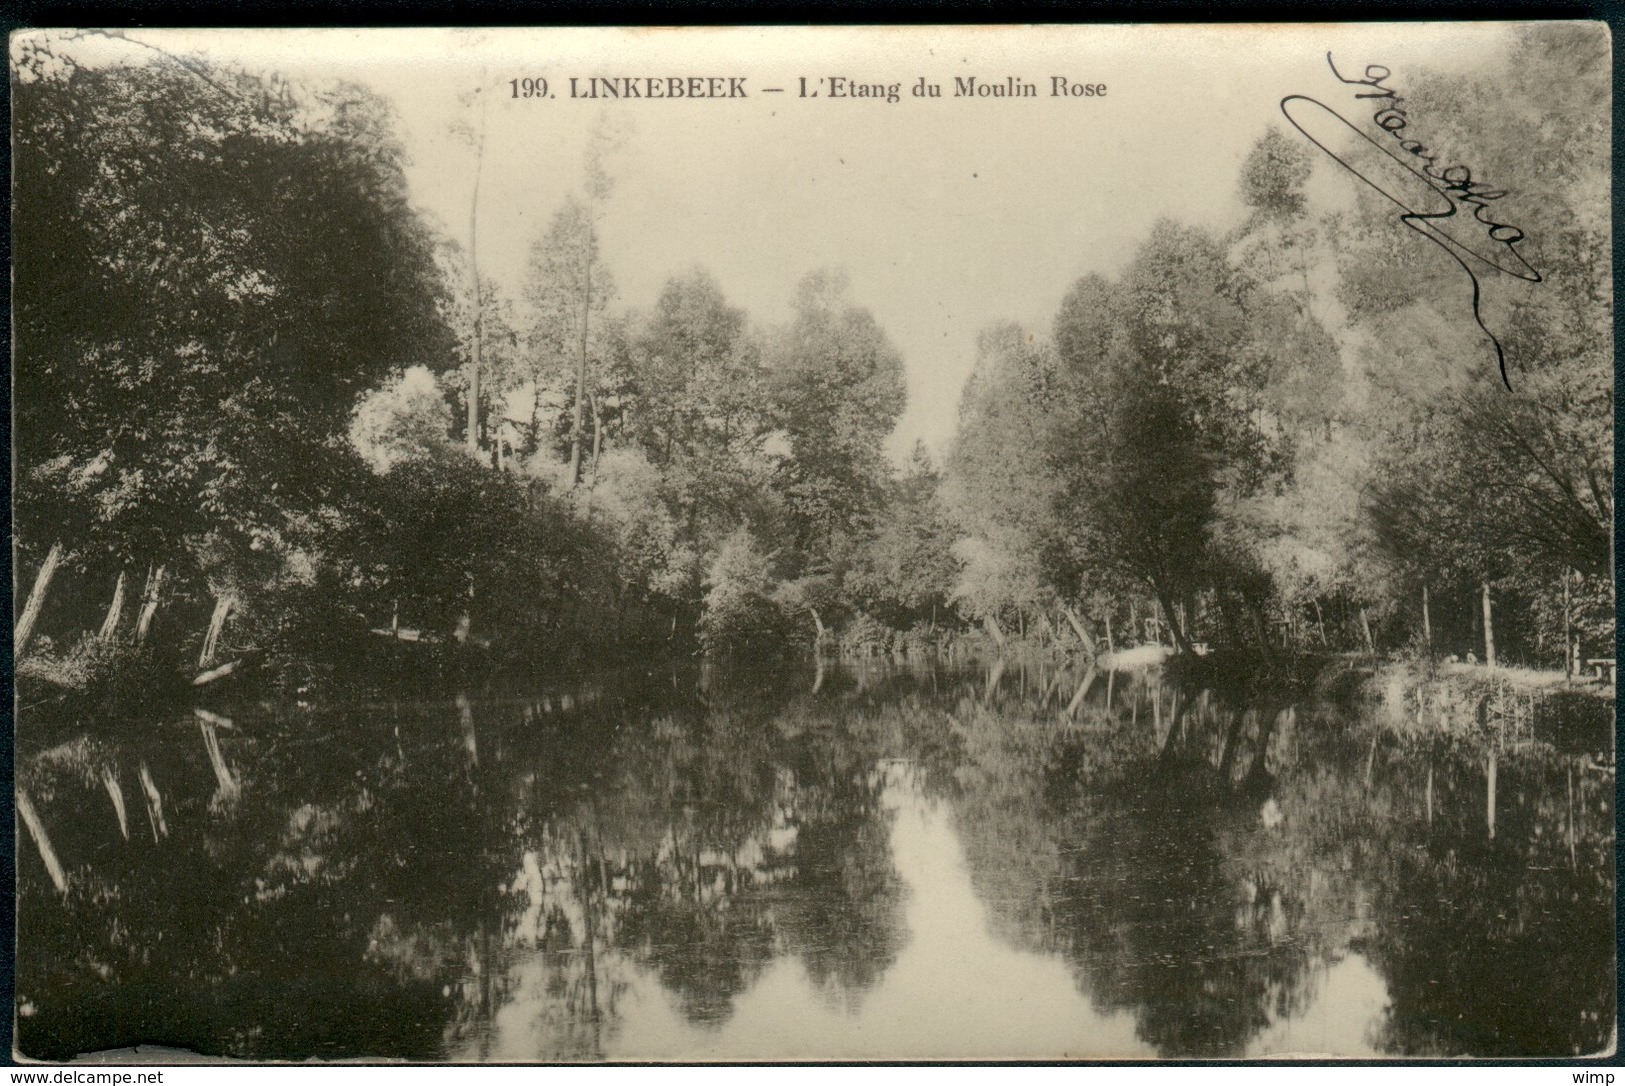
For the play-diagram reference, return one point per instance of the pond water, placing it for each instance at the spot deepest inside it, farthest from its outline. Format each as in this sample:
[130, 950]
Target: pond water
[927, 862]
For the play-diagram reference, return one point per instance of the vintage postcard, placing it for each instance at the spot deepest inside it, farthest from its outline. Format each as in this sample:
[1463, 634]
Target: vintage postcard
[966, 543]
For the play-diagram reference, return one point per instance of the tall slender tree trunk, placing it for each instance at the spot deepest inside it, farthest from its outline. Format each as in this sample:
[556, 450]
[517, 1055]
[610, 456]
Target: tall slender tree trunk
[1365, 629]
[1568, 633]
[1427, 623]
[597, 433]
[475, 347]
[115, 611]
[36, 600]
[1489, 625]
[576, 420]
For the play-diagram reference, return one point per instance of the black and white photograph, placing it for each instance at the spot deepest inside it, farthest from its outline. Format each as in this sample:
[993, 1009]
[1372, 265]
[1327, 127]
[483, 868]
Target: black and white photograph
[802, 544]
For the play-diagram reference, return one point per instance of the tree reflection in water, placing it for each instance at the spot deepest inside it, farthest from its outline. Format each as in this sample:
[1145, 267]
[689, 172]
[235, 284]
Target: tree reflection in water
[660, 865]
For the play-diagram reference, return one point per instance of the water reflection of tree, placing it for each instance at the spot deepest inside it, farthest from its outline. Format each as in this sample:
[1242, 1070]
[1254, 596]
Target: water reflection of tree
[773, 842]
[711, 836]
[1204, 867]
[1500, 946]
[1167, 899]
[840, 912]
[247, 927]
[415, 880]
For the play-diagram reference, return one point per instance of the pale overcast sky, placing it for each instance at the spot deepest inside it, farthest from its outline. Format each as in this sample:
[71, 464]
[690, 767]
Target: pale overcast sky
[948, 213]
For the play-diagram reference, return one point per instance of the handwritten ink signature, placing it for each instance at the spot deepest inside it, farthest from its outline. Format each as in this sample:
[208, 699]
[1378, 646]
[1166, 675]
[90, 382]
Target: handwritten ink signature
[1444, 204]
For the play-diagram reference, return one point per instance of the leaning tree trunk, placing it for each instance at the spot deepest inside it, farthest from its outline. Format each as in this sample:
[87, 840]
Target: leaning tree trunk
[115, 611]
[217, 622]
[991, 623]
[1181, 642]
[149, 602]
[1077, 628]
[1489, 626]
[36, 600]
[42, 841]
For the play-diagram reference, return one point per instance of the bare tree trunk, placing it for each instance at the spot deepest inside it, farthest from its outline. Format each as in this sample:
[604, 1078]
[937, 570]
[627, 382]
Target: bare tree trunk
[1489, 628]
[1109, 647]
[1568, 634]
[994, 677]
[230, 788]
[149, 602]
[42, 841]
[217, 622]
[991, 623]
[597, 434]
[115, 611]
[1077, 628]
[476, 345]
[1365, 628]
[1081, 693]
[155, 804]
[36, 600]
[1489, 795]
[1181, 642]
[115, 792]
[581, 362]
[1427, 623]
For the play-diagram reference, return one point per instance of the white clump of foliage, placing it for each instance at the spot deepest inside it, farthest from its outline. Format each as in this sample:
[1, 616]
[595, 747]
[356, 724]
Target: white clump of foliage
[408, 418]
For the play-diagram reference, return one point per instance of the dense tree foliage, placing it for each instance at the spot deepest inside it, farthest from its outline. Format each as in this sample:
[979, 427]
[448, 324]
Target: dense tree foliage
[1285, 436]
[209, 270]
[245, 357]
